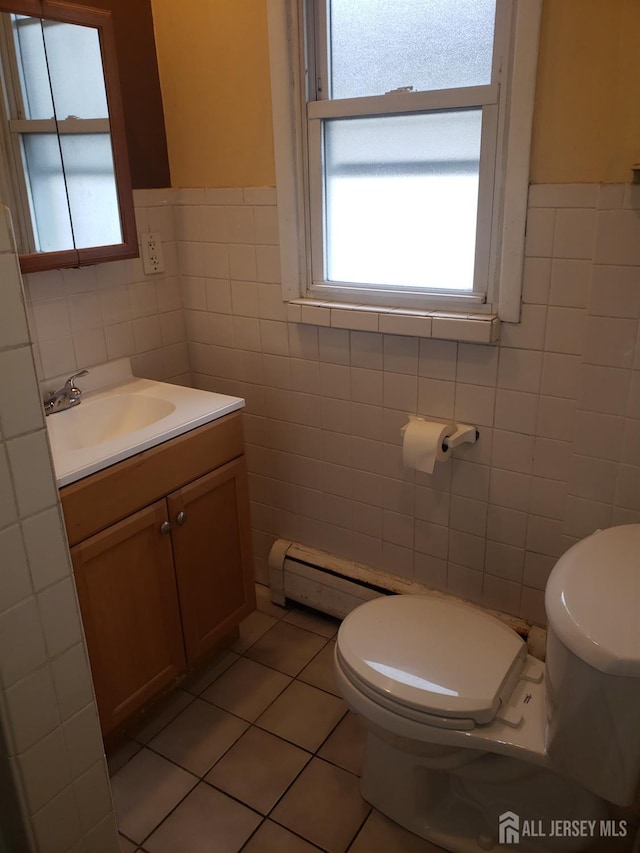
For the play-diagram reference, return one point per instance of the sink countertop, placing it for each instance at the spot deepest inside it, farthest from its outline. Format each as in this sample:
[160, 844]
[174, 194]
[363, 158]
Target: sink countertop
[84, 441]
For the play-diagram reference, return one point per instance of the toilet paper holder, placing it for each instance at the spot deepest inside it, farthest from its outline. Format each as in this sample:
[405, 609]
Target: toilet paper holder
[462, 434]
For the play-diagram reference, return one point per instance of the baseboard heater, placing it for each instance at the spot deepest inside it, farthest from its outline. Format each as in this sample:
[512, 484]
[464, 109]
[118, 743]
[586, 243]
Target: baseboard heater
[336, 586]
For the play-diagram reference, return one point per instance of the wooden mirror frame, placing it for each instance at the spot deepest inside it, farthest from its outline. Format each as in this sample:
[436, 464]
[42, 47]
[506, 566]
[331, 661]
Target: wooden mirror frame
[70, 13]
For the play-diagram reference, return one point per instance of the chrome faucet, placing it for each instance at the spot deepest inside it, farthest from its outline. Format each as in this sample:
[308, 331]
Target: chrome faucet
[66, 397]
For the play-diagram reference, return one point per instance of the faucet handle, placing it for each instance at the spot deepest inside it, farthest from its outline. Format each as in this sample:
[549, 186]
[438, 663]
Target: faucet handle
[71, 380]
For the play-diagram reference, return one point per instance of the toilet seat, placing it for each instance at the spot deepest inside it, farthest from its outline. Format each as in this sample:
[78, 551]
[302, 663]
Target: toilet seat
[414, 714]
[431, 659]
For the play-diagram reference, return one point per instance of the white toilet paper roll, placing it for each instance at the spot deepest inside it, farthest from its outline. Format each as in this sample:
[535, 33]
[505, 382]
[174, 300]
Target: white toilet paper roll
[422, 444]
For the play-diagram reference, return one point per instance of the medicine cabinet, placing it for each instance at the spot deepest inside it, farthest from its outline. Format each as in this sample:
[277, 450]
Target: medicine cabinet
[64, 172]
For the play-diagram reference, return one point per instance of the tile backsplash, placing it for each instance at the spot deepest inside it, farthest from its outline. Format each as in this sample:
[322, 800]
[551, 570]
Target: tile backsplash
[86, 316]
[557, 401]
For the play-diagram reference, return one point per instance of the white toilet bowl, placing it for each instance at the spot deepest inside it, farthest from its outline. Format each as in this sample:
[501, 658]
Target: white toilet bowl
[463, 726]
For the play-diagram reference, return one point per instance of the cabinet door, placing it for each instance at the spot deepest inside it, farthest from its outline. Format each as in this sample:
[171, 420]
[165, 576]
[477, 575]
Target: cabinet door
[212, 553]
[129, 603]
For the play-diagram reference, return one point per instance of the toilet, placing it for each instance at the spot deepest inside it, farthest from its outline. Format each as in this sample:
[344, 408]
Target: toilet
[465, 730]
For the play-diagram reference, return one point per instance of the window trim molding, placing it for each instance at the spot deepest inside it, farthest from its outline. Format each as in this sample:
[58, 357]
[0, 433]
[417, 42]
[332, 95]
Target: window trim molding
[287, 86]
[288, 89]
[517, 156]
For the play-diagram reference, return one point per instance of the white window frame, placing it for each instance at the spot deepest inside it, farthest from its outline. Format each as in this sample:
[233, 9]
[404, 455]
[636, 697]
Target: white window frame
[509, 106]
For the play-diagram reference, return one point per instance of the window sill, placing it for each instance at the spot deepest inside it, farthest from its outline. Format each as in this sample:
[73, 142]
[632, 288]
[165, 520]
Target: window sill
[445, 325]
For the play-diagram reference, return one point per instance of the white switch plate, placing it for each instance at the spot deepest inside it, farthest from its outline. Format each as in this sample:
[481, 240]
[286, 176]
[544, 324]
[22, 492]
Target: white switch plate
[152, 254]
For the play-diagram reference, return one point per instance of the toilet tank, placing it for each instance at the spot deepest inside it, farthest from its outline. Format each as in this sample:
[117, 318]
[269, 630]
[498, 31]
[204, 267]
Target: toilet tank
[592, 601]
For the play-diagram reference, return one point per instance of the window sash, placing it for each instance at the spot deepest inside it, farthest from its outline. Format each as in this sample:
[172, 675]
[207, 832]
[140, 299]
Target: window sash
[293, 84]
[395, 103]
[320, 286]
[317, 40]
[52, 125]
[320, 107]
[64, 181]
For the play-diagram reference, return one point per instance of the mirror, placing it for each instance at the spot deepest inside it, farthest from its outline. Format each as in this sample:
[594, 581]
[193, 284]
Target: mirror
[65, 172]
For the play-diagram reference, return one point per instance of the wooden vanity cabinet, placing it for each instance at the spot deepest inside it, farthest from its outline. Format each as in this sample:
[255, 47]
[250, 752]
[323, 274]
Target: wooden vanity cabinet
[211, 529]
[162, 562]
[127, 592]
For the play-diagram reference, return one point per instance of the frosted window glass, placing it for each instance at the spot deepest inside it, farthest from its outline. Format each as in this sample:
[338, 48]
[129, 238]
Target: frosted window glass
[75, 68]
[89, 192]
[32, 64]
[48, 197]
[63, 60]
[91, 186]
[401, 199]
[378, 45]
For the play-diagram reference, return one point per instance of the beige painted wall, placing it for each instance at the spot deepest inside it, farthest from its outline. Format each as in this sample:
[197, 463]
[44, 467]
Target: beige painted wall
[214, 71]
[587, 121]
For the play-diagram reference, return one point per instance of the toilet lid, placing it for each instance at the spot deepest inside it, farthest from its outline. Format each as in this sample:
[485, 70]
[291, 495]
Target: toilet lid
[432, 654]
[593, 600]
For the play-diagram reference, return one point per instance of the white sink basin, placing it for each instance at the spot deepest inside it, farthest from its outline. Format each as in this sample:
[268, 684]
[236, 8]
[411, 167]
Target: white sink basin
[97, 421]
[120, 416]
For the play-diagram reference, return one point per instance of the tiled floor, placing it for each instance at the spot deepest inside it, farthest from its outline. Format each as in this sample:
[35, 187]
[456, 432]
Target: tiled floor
[258, 754]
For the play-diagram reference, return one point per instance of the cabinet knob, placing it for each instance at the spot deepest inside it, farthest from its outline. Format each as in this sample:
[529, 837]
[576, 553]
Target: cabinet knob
[181, 518]
[165, 528]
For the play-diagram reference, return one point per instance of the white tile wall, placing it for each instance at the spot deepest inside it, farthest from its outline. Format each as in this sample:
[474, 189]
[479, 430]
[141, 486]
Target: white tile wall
[82, 317]
[556, 400]
[44, 676]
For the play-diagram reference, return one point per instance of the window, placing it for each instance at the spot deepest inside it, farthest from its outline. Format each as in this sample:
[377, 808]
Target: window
[402, 149]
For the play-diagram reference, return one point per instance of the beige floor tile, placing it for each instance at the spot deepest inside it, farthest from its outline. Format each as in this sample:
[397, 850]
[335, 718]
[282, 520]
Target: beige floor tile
[161, 715]
[258, 769]
[324, 806]
[126, 846]
[303, 715]
[246, 689]
[345, 746]
[119, 755]
[266, 605]
[208, 675]
[272, 838]
[251, 629]
[326, 626]
[206, 821]
[145, 791]
[381, 835]
[286, 648]
[198, 737]
[320, 671]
